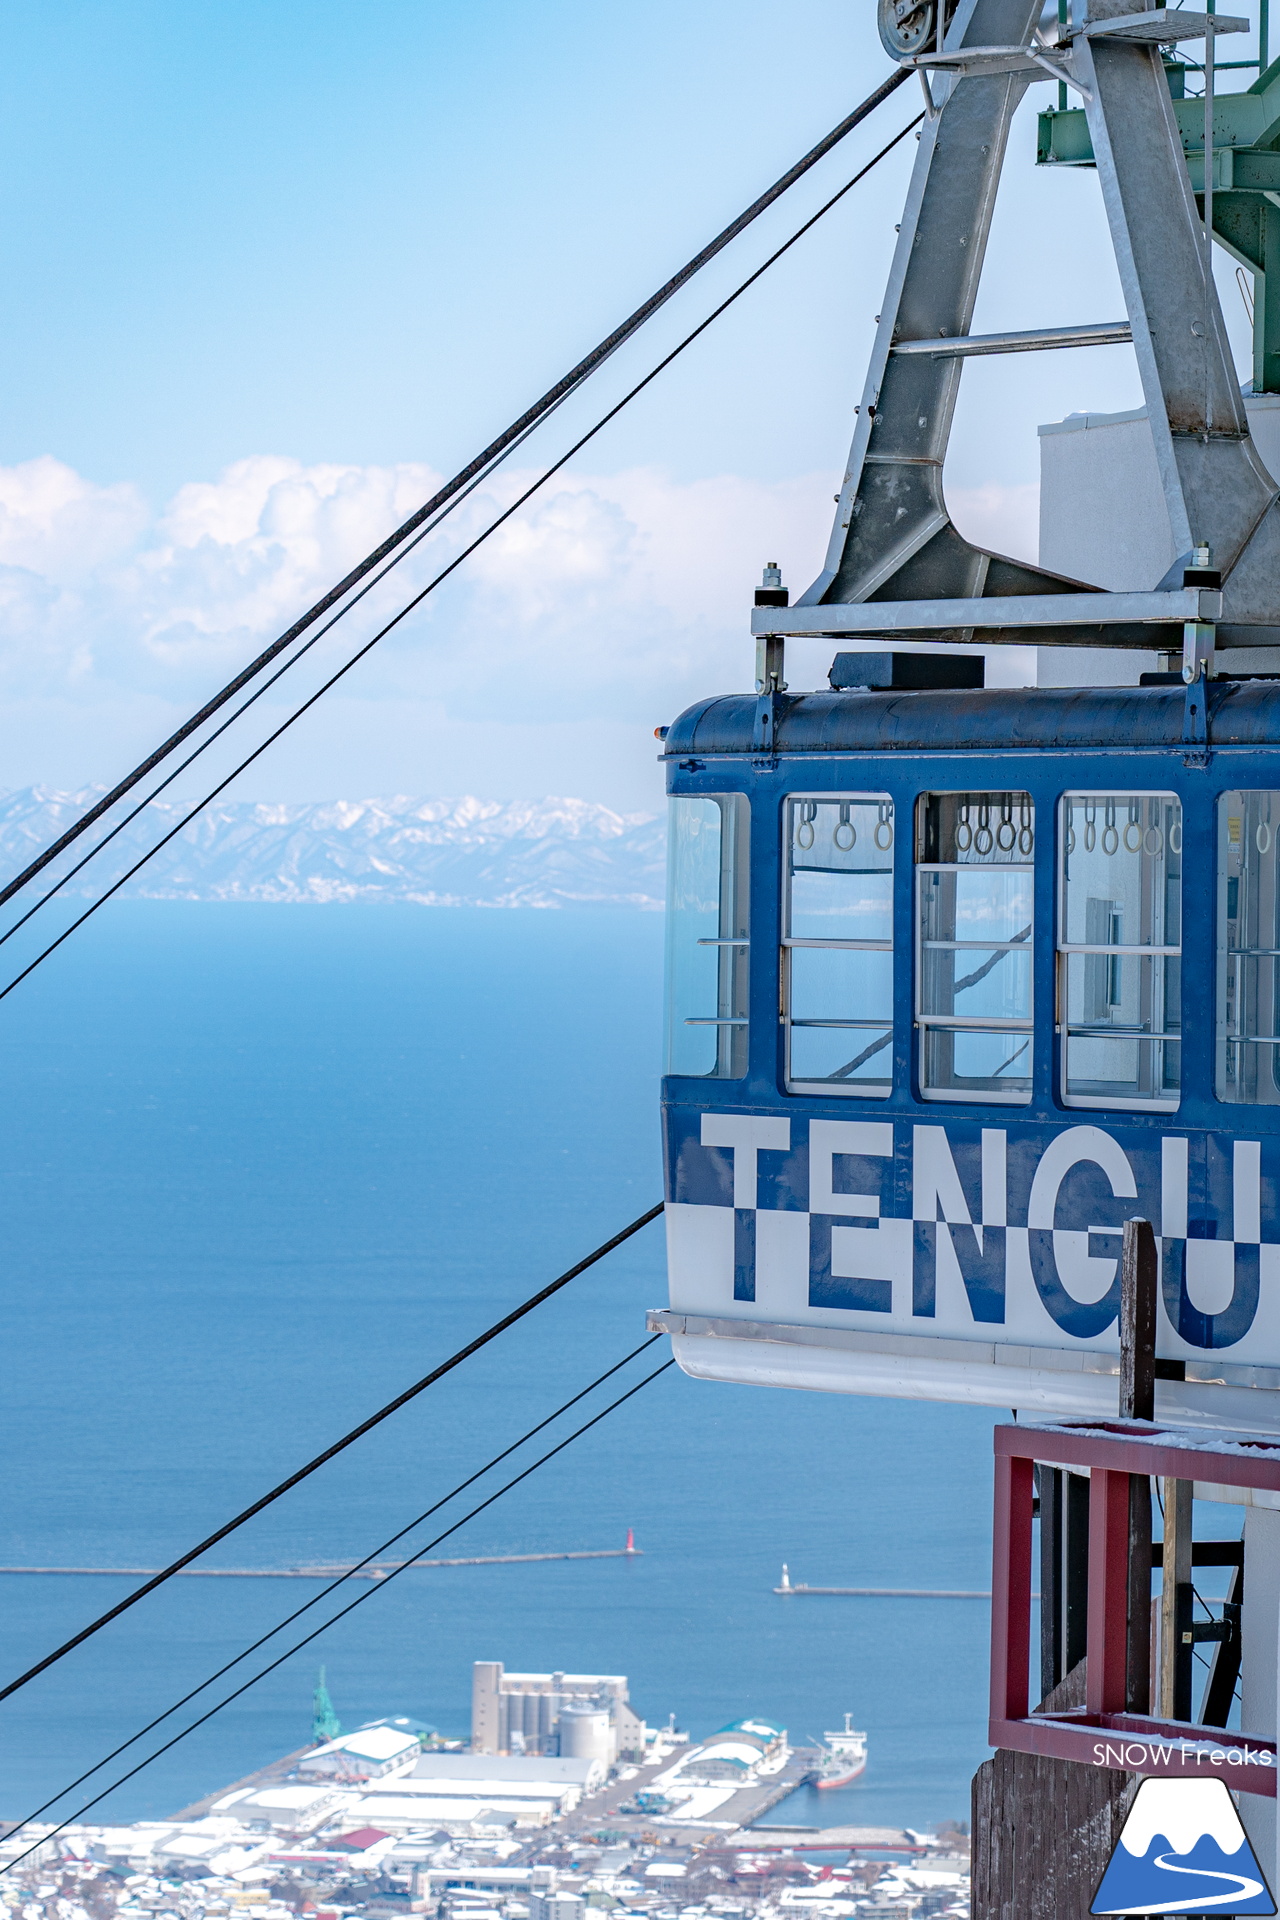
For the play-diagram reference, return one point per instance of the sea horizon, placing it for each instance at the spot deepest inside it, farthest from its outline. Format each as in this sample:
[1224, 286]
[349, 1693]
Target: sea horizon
[261, 1171]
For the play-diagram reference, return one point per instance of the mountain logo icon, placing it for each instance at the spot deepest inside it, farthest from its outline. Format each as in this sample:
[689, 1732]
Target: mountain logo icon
[1183, 1850]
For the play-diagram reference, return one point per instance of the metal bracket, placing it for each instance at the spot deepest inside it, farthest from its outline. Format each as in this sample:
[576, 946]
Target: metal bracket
[1197, 659]
[1197, 649]
[1061, 71]
[1196, 758]
[1195, 726]
[770, 661]
[985, 60]
[765, 727]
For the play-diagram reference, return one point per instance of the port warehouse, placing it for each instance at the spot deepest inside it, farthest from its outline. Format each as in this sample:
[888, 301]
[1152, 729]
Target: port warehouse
[381, 1776]
[451, 1790]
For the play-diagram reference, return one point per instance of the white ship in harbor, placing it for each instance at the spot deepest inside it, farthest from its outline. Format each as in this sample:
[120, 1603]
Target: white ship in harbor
[844, 1757]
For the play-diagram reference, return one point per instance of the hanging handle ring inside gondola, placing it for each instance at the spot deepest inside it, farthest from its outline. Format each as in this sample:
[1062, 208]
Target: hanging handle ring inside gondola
[964, 831]
[1006, 832]
[1133, 835]
[1110, 833]
[984, 839]
[1090, 827]
[804, 832]
[1026, 833]
[846, 834]
[883, 835]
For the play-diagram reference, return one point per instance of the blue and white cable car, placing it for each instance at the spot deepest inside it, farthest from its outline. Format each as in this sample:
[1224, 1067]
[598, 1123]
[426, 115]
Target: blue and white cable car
[959, 977]
[943, 1011]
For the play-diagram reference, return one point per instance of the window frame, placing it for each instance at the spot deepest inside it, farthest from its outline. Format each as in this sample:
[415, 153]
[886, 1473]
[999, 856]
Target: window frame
[1223, 954]
[1063, 949]
[787, 944]
[735, 873]
[921, 1022]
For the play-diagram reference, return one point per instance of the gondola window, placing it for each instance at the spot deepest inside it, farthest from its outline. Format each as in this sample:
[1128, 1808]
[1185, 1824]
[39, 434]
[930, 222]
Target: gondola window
[1120, 950]
[837, 946]
[974, 922]
[1248, 1050]
[708, 850]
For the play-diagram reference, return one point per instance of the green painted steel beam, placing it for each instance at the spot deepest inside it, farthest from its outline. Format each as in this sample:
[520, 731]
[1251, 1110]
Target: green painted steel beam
[1239, 120]
[1246, 186]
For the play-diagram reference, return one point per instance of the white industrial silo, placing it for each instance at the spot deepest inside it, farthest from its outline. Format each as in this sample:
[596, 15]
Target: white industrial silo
[585, 1734]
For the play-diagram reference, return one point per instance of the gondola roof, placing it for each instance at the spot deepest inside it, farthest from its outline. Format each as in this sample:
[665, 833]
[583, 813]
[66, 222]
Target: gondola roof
[1243, 713]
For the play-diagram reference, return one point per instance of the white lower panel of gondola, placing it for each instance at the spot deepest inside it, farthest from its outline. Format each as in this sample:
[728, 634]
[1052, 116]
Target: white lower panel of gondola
[1038, 1381]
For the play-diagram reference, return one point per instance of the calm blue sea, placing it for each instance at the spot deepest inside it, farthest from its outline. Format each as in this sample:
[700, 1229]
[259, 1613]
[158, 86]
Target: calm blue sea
[261, 1167]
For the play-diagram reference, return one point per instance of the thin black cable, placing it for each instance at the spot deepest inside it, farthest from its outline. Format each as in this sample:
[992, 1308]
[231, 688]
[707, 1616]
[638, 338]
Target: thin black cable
[330, 1453]
[316, 1632]
[455, 563]
[421, 535]
[255, 696]
[324, 1593]
[474, 470]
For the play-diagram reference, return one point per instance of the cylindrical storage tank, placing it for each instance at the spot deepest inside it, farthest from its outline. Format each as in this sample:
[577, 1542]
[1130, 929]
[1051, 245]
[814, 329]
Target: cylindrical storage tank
[584, 1734]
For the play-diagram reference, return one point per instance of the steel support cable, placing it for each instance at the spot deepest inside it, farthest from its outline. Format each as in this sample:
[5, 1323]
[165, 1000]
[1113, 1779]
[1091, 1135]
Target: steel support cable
[240, 711]
[475, 470]
[420, 535]
[457, 561]
[330, 1453]
[324, 1593]
[333, 1620]
[416, 540]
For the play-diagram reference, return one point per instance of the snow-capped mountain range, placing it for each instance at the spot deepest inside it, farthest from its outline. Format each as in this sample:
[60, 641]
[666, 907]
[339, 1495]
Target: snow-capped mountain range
[461, 852]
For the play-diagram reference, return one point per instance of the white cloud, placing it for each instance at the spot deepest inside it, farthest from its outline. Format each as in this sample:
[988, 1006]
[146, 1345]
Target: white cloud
[623, 576]
[605, 604]
[57, 525]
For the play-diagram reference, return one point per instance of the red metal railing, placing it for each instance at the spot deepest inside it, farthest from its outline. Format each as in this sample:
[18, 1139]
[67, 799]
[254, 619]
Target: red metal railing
[1102, 1733]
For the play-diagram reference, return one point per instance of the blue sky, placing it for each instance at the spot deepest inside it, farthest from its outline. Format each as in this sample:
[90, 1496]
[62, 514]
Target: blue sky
[355, 241]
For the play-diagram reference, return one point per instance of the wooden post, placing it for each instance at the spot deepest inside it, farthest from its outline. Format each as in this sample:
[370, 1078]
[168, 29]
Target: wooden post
[1138, 1322]
[1138, 1402]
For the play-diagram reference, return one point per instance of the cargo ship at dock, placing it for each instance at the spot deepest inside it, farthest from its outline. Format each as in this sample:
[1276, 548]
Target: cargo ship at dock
[844, 1757]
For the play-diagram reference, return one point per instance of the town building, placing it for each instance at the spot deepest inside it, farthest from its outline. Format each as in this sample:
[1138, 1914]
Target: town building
[556, 1906]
